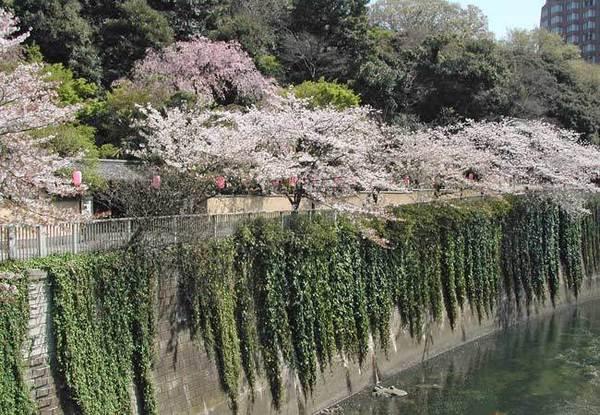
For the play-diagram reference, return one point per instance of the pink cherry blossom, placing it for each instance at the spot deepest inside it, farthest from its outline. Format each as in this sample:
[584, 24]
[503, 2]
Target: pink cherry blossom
[319, 145]
[27, 103]
[289, 139]
[210, 70]
[500, 156]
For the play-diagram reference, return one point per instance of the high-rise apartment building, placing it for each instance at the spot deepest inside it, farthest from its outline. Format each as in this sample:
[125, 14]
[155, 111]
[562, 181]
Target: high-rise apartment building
[577, 21]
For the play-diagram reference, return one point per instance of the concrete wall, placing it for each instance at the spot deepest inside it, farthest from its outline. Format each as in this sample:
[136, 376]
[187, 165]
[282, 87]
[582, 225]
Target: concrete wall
[187, 381]
[248, 204]
[38, 348]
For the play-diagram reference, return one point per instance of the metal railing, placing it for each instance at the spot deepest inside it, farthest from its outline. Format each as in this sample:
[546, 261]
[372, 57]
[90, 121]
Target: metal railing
[21, 242]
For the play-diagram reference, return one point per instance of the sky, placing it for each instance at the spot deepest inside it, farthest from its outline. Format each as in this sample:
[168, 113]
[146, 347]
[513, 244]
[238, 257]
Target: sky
[509, 14]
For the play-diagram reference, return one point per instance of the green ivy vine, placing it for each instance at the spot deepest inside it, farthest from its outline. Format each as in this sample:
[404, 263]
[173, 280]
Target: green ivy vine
[103, 322]
[14, 317]
[298, 297]
[269, 298]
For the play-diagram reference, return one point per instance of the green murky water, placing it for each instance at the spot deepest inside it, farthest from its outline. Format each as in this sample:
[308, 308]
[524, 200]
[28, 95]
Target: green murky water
[548, 367]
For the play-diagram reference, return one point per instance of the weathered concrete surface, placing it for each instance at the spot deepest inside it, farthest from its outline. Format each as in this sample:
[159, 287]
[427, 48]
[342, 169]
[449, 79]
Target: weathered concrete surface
[38, 348]
[188, 383]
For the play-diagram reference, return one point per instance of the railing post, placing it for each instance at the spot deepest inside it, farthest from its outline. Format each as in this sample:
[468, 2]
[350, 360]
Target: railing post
[75, 234]
[12, 242]
[174, 225]
[129, 230]
[42, 241]
[282, 220]
[214, 225]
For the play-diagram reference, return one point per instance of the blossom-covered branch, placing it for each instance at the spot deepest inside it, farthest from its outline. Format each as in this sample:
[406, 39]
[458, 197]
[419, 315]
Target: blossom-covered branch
[325, 153]
[330, 154]
[27, 102]
[499, 156]
[212, 71]
[8, 27]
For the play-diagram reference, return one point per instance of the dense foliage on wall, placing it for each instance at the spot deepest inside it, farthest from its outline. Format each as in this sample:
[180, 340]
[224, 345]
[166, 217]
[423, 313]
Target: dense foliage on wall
[103, 323]
[14, 317]
[591, 238]
[299, 296]
[272, 297]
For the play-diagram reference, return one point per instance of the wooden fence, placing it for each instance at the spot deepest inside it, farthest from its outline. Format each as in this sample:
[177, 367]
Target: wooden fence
[20, 242]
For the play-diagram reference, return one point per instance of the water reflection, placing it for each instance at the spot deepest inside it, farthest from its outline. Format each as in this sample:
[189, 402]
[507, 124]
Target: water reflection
[549, 367]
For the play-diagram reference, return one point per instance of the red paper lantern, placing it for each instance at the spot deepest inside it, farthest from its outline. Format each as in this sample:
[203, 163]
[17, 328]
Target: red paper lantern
[77, 178]
[275, 182]
[155, 182]
[293, 181]
[220, 182]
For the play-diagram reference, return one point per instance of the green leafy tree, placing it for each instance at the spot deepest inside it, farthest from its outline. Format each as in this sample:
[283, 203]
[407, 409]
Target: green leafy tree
[127, 37]
[324, 94]
[326, 38]
[441, 80]
[415, 20]
[63, 35]
[70, 90]
[463, 78]
[113, 117]
[551, 80]
[193, 17]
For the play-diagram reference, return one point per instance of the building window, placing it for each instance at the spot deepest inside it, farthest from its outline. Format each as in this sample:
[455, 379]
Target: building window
[556, 20]
[557, 8]
[573, 28]
[572, 5]
[589, 25]
[589, 13]
[573, 39]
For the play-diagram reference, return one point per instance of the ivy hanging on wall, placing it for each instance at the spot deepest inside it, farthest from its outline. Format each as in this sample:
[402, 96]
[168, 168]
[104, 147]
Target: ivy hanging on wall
[103, 323]
[14, 317]
[269, 298]
[318, 289]
[591, 237]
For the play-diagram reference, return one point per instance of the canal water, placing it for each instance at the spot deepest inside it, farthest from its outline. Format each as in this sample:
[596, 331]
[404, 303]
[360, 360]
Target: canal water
[547, 366]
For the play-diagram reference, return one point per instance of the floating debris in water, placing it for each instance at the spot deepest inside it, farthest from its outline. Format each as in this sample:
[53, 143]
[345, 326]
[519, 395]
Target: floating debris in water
[334, 410]
[391, 392]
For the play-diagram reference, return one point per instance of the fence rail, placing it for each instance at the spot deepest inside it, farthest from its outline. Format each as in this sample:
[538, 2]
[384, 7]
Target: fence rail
[20, 242]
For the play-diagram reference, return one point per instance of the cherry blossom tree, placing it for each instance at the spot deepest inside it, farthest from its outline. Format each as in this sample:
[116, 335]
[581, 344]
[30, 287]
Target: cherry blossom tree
[503, 156]
[27, 103]
[213, 71]
[328, 155]
[324, 154]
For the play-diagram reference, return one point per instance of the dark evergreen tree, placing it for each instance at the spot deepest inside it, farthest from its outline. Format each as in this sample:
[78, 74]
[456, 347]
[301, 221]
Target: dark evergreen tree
[126, 38]
[326, 38]
[193, 17]
[63, 35]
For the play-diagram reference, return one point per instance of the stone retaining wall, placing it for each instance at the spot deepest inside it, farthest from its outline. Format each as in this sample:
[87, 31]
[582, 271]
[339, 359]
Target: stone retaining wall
[38, 349]
[187, 381]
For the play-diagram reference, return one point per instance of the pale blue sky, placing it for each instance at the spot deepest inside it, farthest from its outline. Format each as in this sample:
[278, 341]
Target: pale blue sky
[509, 14]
